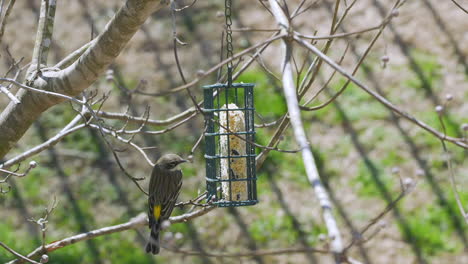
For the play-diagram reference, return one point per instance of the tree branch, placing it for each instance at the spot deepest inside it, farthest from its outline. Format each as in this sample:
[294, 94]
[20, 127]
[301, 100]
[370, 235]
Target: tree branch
[11, 96]
[136, 222]
[17, 118]
[194, 82]
[269, 252]
[300, 136]
[18, 254]
[460, 6]
[43, 37]
[139, 120]
[5, 17]
[72, 57]
[381, 99]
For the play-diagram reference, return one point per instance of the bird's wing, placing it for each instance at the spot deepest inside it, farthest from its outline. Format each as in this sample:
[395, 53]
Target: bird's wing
[155, 181]
[173, 190]
[163, 192]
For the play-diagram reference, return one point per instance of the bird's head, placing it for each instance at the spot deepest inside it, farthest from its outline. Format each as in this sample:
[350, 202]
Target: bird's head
[170, 161]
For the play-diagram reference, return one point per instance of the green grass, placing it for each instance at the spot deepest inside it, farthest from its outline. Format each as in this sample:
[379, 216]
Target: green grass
[80, 140]
[268, 102]
[432, 230]
[431, 70]
[129, 251]
[271, 227]
[365, 182]
[15, 240]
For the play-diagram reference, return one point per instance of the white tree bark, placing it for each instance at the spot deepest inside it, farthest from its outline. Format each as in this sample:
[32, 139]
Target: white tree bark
[289, 88]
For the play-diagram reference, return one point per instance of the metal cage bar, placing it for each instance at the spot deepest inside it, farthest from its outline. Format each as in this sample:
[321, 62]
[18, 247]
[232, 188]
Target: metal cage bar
[229, 147]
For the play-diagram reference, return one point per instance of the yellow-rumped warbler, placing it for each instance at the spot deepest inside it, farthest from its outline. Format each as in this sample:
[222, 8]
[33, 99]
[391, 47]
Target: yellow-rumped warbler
[164, 188]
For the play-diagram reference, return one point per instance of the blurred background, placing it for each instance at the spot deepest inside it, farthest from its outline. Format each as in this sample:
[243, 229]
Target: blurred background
[356, 141]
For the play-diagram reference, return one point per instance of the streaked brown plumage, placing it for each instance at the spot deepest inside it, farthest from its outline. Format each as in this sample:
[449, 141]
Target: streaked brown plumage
[164, 188]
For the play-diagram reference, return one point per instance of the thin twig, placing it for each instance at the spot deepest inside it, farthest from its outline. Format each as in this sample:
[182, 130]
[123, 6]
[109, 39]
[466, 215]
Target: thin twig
[248, 29]
[5, 17]
[186, 6]
[317, 63]
[41, 91]
[213, 69]
[323, 88]
[342, 35]
[18, 254]
[461, 7]
[72, 57]
[176, 56]
[158, 132]
[253, 143]
[13, 98]
[134, 223]
[32, 165]
[299, 12]
[381, 99]
[451, 172]
[269, 252]
[45, 145]
[197, 143]
[274, 141]
[376, 219]
[138, 120]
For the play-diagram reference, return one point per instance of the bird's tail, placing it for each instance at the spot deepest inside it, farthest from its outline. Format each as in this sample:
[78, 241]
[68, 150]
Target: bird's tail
[153, 243]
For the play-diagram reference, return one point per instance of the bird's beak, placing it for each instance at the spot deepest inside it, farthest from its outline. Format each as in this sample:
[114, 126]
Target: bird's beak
[183, 161]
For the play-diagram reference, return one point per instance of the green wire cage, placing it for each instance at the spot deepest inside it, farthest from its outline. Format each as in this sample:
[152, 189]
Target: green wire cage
[229, 142]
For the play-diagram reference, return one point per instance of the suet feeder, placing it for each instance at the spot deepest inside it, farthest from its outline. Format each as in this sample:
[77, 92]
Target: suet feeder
[229, 136]
[229, 142]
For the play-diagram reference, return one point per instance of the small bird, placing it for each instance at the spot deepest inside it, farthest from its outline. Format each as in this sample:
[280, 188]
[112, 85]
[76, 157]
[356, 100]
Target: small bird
[164, 188]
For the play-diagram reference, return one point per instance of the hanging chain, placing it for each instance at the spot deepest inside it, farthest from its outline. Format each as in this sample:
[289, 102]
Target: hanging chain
[229, 48]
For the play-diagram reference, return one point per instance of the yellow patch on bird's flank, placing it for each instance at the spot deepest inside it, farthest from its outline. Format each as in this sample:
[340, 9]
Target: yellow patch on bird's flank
[157, 211]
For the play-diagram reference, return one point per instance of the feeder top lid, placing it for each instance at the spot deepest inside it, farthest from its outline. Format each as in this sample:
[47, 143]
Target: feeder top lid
[224, 85]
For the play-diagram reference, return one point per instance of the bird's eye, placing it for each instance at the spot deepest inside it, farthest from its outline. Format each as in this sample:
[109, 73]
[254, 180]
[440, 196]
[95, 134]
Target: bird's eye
[172, 165]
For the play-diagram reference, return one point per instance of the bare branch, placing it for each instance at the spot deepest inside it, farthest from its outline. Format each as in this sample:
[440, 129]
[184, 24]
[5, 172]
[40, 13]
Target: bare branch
[14, 173]
[46, 145]
[248, 29]
[18, 254]
[300, 136]
[213, 69]
[5, 17]
[317, 63]
[253, 143]
[72, 57]
[4, 90]
[32, 165]
[134, 223]
[78, 76]
[381, 99]
[269, 252]
[42, 222]
[140, 131]
[32, 89]
[186, 6]
[138, 120]
[448, 161]
[325, 85]
[300, 11]
[356, 68]
[376, 219]
[43, 38]
[346, 34]
[260, 159]
[460, 6]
